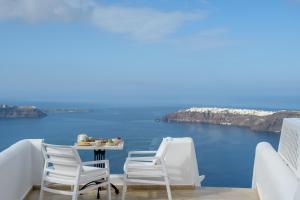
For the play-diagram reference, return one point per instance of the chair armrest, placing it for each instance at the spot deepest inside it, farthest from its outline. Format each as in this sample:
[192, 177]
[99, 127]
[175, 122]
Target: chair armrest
[130, 153]
[95, 162]
[143, 159]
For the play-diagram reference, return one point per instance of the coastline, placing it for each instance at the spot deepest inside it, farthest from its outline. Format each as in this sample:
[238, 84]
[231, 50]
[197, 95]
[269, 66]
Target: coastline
[32, 112]
[256, 120]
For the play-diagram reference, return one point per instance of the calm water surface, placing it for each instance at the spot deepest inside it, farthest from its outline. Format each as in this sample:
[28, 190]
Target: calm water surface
[225, 154]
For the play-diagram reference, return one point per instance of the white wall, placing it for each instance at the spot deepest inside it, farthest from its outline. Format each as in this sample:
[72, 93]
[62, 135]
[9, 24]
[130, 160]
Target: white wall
[289, 145]
[37, 161]
[20, 168]
[276, 174]
[272, 177]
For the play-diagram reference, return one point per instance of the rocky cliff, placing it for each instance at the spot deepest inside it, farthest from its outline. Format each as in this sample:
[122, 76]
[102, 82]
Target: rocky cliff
[12, 112]
[256, 120]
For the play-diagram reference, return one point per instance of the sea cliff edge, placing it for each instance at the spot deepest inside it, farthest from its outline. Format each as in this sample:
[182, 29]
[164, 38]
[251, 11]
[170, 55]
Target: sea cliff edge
[256, 120]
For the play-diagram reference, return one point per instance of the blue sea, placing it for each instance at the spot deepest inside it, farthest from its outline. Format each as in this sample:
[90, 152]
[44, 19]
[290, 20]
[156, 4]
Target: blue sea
[225, 154]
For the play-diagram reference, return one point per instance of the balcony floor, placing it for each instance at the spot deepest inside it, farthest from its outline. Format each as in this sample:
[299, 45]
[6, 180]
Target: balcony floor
[204, 193]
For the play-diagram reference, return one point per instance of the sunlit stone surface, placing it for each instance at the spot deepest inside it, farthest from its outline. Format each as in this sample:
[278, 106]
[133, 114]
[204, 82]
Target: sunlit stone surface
[205, 193]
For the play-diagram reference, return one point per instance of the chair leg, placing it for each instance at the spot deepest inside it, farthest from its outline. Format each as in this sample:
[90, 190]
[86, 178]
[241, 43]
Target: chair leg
[108, 191]
[75, 192]
[41, 194]
[124, 187]
[168, 188]
[98, 193]
[42, 191]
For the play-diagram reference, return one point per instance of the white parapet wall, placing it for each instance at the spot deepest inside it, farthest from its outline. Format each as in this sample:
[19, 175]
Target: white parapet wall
[273, 177]
[20, 168]
[289, 145]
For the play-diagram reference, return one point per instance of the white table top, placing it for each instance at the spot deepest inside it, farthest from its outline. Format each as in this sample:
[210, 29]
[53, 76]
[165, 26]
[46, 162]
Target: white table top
[103, 147]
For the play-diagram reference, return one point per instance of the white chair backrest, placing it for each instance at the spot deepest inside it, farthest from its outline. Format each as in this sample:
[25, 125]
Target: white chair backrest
[162, 149]
[65, 159]
[289, 145]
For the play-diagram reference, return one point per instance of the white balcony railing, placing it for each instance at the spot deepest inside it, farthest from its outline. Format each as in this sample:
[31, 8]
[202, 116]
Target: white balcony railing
[20, 168]
[275, 174]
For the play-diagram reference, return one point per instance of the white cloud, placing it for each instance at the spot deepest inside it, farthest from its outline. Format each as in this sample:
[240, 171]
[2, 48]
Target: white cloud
[138, 23]
[141, 23]
[41, 10]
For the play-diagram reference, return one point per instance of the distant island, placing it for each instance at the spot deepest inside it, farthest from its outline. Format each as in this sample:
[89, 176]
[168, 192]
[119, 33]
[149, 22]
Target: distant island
[256, 120]
[13, 112]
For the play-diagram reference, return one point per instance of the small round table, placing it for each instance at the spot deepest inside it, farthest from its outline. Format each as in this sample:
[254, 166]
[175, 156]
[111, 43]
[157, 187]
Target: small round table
[99, 154]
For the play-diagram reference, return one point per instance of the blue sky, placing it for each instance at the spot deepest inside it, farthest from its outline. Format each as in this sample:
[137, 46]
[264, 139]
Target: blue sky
[154, 52]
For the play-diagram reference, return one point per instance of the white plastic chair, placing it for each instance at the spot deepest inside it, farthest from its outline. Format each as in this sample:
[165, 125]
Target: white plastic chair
[63, 166]
[148, 169]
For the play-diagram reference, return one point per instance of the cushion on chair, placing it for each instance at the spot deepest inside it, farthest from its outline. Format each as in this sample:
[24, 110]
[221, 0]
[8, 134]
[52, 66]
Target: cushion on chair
[67, 177]
[87, 170]
[142, 169]
[92, 173]
[131, 165]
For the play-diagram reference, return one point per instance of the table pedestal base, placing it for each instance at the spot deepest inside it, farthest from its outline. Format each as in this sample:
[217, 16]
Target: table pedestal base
[100, 155]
